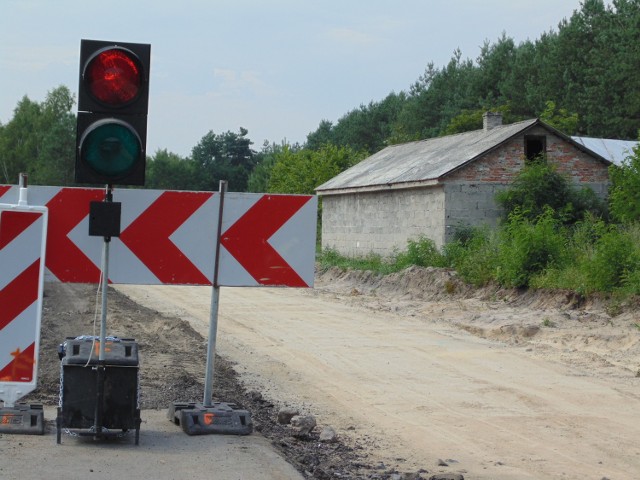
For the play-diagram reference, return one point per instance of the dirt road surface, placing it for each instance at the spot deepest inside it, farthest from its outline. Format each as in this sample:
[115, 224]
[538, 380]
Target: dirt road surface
[426, 374]
[164, 453]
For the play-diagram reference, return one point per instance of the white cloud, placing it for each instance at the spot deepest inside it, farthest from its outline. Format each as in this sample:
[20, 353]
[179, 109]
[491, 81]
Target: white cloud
[37, 58]
[240, 83]
[350, 37]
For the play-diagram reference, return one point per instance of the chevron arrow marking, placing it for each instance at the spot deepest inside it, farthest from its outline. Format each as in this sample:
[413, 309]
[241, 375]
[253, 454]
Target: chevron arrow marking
[248, 240]
[148, 237]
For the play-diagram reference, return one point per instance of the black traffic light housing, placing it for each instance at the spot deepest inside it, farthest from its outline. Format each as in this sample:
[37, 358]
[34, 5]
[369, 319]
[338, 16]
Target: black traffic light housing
[113, 100]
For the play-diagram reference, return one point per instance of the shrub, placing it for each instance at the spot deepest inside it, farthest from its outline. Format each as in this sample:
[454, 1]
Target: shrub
[579, 246]
[474, 255]
[539, 186]
[422, 252]
[614, 257]
[624, 193]
[529, 247]
[631, 277]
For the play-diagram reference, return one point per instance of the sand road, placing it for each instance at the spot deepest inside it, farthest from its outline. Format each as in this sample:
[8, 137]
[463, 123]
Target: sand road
[416, 389]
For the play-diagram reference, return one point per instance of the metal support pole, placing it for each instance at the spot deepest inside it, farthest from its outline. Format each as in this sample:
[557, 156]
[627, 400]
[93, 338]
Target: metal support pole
[105, 280]
[100, 369]
[104, 288]
[22, 196]
[215, 302]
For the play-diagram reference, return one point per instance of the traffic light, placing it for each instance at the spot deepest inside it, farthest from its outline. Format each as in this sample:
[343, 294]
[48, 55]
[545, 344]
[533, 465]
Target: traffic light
[113, 100]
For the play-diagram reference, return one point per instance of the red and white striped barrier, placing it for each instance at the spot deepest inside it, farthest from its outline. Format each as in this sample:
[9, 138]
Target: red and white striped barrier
[169, 237]
[22, 257]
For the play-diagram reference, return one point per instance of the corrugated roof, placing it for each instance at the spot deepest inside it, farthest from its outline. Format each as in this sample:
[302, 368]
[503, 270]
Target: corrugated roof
[613, 150]
[423, 160]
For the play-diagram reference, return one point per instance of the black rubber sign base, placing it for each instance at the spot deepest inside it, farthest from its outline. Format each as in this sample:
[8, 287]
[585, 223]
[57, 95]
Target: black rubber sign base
[218, 418]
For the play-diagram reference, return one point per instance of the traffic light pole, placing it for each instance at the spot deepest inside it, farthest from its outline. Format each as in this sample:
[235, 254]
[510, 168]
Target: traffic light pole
[103, 325]
[105, 282]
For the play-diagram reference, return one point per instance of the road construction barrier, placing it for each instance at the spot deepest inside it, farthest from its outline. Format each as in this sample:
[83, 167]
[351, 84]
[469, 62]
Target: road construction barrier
[217, 418]
[22, 418]
[22, 251]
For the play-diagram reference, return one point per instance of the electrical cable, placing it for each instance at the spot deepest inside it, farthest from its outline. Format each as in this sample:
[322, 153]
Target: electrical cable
[95, 320]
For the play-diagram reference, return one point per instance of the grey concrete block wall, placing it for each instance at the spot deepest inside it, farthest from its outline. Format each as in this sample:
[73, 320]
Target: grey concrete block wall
[470, 204]
[382, 222]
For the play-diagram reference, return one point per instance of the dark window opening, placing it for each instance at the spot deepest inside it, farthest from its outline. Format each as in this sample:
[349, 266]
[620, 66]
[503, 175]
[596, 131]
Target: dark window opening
[534, 146]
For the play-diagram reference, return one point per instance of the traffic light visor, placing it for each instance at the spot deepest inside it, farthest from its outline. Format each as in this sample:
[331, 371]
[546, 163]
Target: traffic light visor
[111, 148]
[113, 76]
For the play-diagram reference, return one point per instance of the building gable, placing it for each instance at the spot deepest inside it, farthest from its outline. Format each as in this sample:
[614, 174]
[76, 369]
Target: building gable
[506, 161]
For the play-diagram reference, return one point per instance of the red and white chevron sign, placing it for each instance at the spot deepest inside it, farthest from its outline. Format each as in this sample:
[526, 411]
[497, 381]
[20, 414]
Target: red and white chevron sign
[168, 237]
[22, 240]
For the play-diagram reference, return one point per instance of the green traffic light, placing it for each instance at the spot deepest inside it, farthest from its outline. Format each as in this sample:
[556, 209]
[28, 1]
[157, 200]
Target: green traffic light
[111, 148]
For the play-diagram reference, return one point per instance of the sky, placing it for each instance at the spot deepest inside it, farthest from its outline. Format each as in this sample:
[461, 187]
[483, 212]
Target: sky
[275, 67]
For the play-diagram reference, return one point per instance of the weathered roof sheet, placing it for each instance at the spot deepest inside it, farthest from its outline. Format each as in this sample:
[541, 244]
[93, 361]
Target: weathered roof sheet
[613, 150]
[423, 160]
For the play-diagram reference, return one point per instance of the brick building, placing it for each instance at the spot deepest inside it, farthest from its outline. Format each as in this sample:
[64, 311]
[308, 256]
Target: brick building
[431, 187]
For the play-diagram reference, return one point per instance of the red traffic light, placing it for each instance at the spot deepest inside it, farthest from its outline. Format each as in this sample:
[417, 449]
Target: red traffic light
[113, 76]
[113, 99]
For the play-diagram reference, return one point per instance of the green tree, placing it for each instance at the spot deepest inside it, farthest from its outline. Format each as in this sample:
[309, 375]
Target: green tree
[260, 177]
[18, 143]
[598, 46]
[494, 66]
[624, 26]
[226, 156]
[521, 86]
[40, 140]
[302, 171]
[545, 72]
[435, 98]
[469, 120]
[321, 136]
[366, 128]
[560, 118]
[169, 171]
[56, 155]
